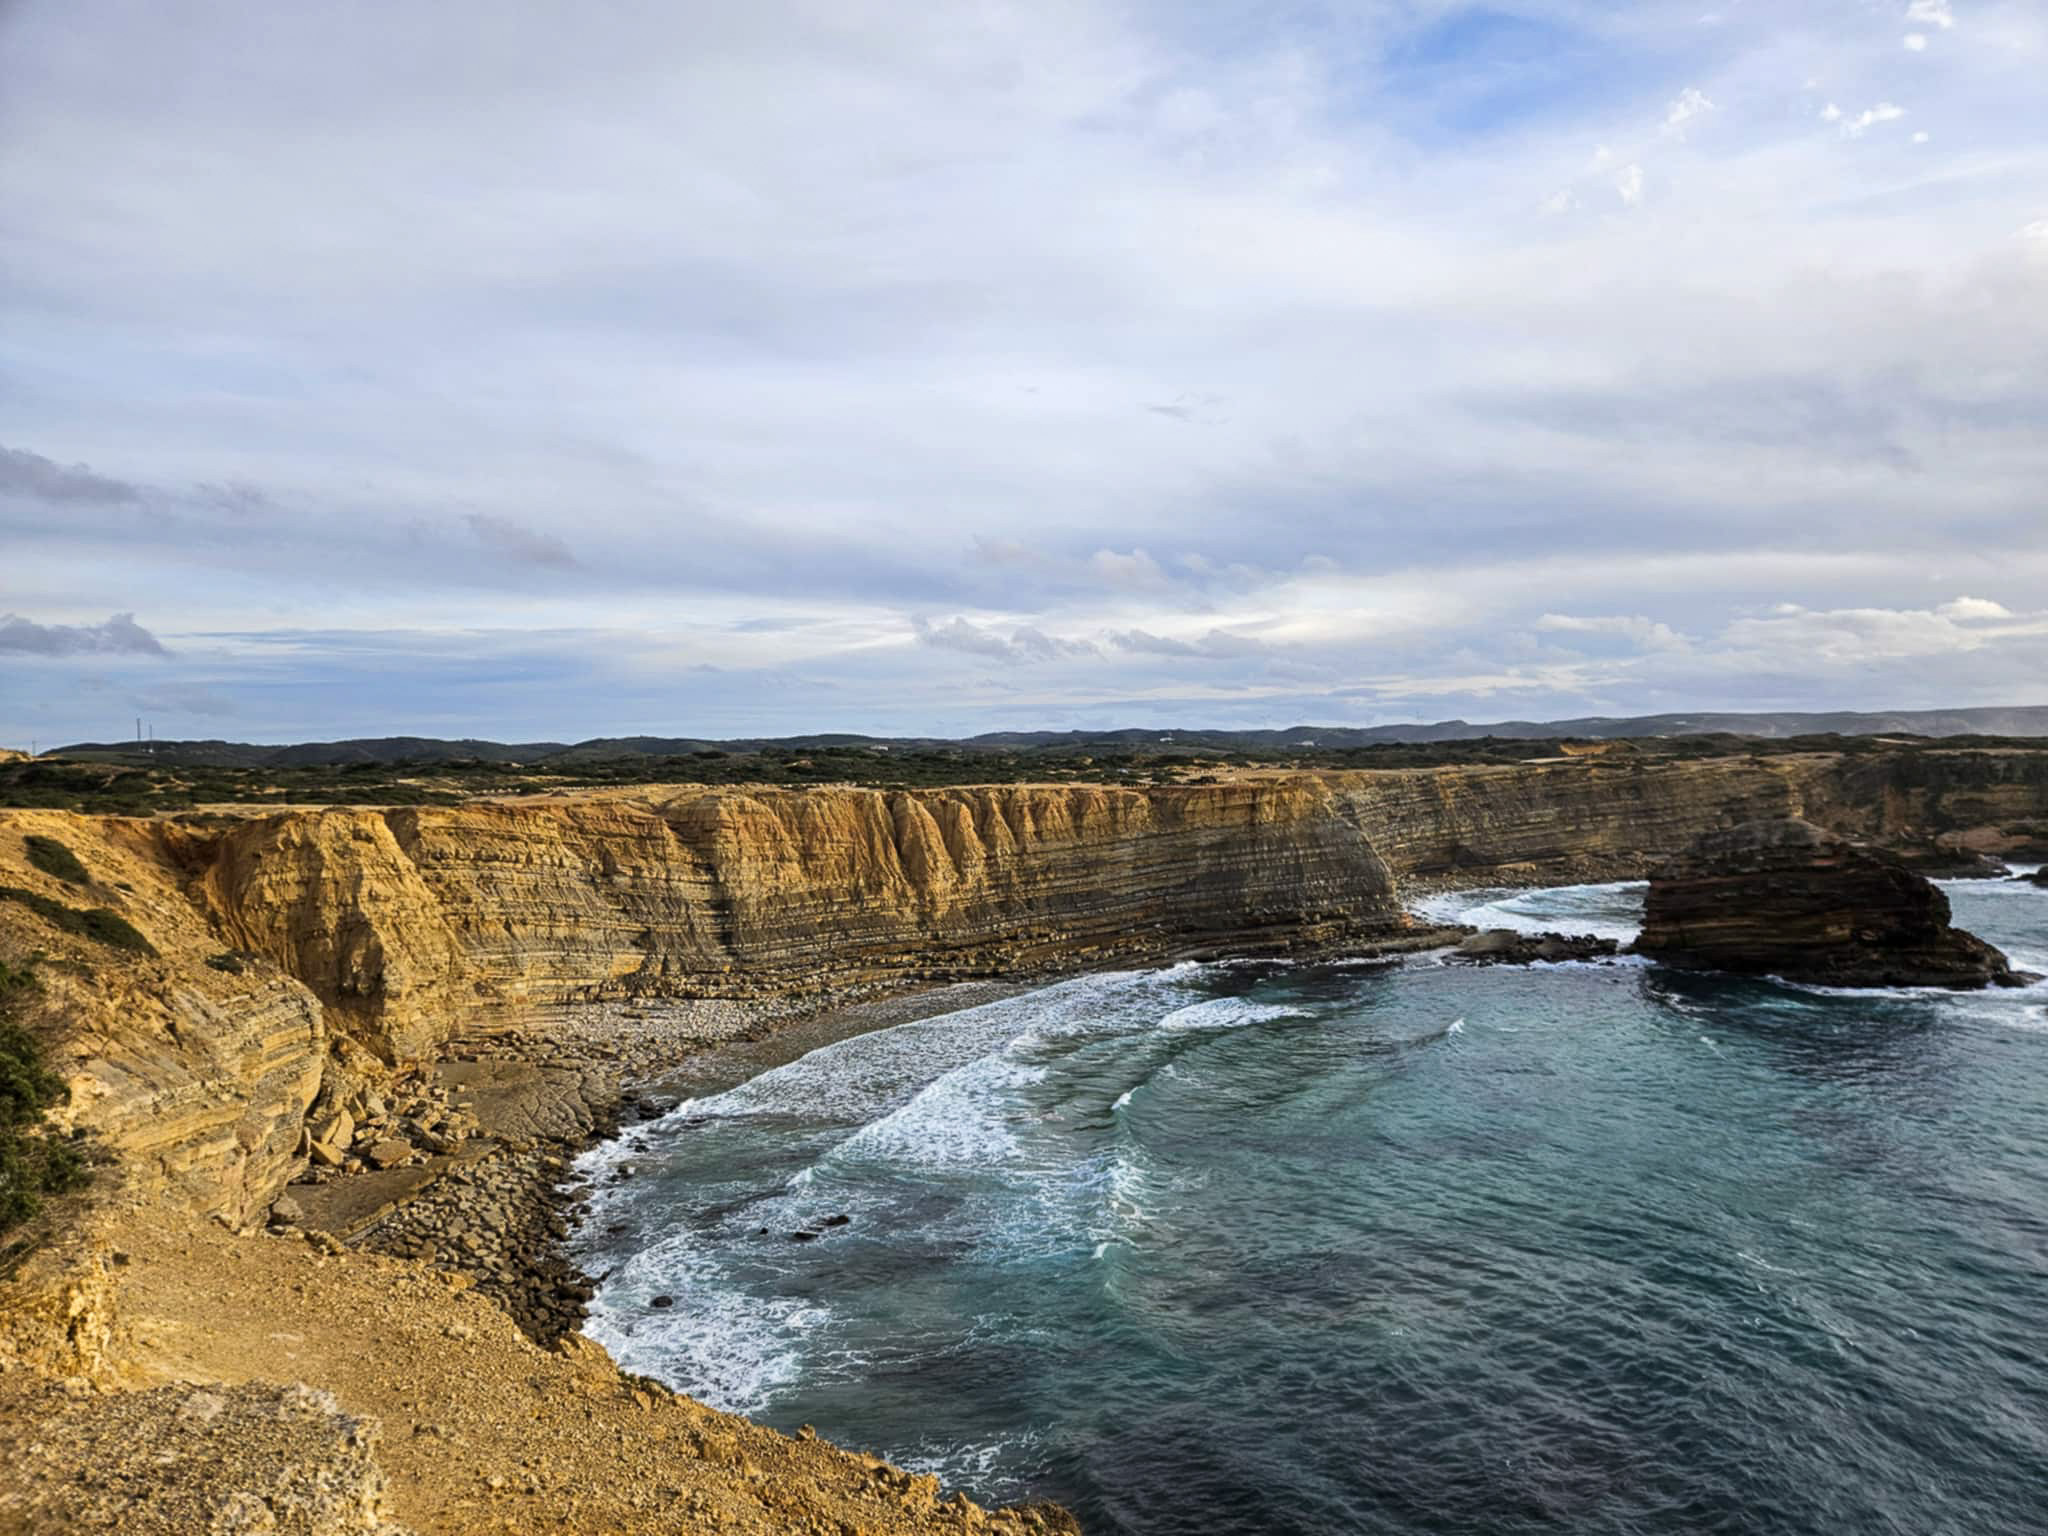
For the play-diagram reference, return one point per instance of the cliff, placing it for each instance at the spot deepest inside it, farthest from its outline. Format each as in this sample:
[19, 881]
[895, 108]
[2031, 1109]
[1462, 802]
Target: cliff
[402, 921]
[1785, 898]
[281, 939]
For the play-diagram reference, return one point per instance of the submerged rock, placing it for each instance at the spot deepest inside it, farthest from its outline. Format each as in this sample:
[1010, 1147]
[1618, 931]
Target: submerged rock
[1785, 898]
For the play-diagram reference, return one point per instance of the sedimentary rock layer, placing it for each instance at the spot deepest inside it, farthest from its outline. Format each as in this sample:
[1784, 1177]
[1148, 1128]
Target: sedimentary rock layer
[402, 921]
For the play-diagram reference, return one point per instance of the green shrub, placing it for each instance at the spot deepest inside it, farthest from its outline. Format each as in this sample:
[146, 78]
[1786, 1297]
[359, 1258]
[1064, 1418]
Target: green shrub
[33, 1162]
[54, 859]
[109, 928]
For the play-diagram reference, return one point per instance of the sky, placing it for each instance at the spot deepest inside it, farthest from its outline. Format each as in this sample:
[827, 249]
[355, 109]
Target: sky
[546, 370]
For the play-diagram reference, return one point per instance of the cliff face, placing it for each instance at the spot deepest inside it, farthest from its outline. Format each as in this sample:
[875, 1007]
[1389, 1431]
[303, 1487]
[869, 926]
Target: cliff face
[1619, 818]
[1566, 821]
[1987, 801]
[199, 1076]
[389, 928]
[402, 921]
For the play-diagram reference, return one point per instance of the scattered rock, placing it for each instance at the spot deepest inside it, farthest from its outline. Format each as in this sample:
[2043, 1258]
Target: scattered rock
[338, 1130]
[837, 1221]
[388, 1153]
[662, 1301]
[1785, 898]
[286, 1212]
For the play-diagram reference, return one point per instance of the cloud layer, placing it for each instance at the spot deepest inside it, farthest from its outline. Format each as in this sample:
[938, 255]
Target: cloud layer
[494, 370]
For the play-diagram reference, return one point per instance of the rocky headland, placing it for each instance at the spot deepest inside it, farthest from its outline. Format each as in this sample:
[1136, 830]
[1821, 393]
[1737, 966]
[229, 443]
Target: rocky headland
[339, 1061]
[1789, 899]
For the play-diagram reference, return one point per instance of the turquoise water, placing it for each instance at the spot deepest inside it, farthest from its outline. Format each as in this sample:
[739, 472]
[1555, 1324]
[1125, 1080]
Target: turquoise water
[1407, 1248]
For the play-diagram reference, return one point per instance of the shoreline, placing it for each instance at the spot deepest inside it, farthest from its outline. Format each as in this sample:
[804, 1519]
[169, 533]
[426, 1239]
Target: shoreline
[554, 1083]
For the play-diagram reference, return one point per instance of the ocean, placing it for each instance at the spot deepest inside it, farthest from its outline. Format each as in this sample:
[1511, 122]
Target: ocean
[1405, 1247]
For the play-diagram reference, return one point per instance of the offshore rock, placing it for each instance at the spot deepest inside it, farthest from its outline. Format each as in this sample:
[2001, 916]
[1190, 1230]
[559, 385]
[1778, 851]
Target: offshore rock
[1785, 898]
[1505, 946]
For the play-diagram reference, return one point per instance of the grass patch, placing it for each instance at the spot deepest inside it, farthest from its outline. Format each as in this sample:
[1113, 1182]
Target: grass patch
[109, 928]
[34, 1162]
[55, 860]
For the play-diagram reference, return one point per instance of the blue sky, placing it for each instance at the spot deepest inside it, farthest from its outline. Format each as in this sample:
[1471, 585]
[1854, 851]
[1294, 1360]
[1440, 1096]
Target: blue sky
[541, 370]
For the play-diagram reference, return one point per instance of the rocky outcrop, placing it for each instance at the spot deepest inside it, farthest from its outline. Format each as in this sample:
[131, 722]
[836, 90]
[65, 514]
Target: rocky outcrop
[1505, 946]
[184, 1460]
[194, 1065]
[1786, 898]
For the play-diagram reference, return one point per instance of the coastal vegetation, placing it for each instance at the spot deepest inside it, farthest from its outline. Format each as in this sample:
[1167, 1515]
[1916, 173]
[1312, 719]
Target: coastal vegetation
[34, 1162]
[97, 923]
[188, 776]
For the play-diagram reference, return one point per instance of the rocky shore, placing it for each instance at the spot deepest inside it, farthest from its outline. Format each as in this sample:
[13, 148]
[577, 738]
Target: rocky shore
[470, 1168]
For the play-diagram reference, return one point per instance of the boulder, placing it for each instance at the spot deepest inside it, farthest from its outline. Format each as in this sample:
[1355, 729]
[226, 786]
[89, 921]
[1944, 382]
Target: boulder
[1785, 898]
[388, 1153]
[337, 1130]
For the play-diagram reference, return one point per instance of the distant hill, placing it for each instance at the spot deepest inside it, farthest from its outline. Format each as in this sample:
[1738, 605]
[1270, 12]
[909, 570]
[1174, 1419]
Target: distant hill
[2016, 721]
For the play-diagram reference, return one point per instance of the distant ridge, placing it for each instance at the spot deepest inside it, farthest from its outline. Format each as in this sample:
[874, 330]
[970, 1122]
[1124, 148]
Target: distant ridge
[2023, 720]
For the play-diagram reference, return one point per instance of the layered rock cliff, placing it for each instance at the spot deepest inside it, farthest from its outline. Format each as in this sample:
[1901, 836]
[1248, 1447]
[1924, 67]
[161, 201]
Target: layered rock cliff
[282, 938]
[278, 938]
[403, 921]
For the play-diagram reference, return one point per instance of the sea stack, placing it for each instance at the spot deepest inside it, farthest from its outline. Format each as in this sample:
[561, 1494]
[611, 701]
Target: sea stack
[1785, 898]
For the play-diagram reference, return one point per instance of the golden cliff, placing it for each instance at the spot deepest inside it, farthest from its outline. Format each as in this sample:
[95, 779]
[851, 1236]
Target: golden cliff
[391, 929]
[404, 921]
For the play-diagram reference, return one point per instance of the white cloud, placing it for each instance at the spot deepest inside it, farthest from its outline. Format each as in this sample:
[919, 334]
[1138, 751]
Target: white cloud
[1692, 102]
[1136, 569]
[1916, 42]
[1831, 113]
[1648, 634]
[1863, 122]
[1932, 13]
[1966, 608]
[785, 328]
[1862, 636]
